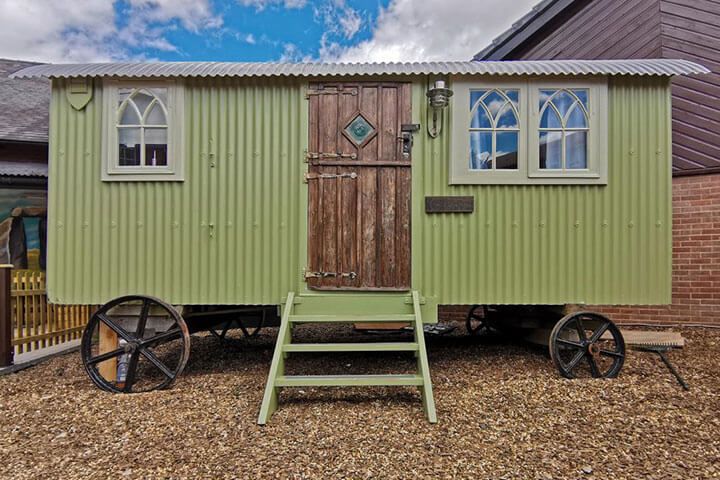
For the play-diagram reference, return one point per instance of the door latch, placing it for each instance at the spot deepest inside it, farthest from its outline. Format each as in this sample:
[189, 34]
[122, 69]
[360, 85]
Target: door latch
[406, 135]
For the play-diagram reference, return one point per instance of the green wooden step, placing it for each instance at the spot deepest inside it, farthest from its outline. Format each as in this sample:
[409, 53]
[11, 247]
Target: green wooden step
[351, 318]
[348, 380]
[352, 347]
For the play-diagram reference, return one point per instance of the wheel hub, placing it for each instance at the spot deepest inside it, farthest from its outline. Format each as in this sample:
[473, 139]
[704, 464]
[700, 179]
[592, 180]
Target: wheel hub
[594, 349]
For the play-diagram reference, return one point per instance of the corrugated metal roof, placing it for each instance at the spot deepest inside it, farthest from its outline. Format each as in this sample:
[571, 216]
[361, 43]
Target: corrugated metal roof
[662, 67]
[23, 169]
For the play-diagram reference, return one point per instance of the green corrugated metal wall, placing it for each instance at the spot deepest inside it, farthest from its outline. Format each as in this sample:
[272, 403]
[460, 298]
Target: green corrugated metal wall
[556, 244]
[523, 244]
[227, 234]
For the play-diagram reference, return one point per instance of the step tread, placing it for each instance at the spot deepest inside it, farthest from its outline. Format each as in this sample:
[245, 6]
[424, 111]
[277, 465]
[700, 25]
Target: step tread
[352, 347]
[347, 380]
[410, 317]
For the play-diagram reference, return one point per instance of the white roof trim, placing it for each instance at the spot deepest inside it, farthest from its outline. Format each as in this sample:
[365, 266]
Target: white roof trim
[654, 67]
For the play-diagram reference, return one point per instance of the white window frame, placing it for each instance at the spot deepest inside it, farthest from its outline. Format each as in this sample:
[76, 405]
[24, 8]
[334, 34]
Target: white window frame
[597, 145]
[529, 172]
[173, 171]
[460, 172]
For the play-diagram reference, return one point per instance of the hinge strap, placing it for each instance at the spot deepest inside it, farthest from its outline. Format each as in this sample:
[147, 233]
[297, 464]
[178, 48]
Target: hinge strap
[330, 91]
[321, 155]
[332, 176]
[350, 275]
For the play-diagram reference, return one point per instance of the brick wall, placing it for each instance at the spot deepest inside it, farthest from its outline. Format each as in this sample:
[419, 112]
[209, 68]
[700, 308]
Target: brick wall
[696, 261]
[696, 258]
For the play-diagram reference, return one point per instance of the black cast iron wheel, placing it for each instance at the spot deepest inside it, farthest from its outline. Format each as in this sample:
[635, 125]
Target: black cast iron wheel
[220, 330]
[476, 320]
[153, 342]
[587, 343]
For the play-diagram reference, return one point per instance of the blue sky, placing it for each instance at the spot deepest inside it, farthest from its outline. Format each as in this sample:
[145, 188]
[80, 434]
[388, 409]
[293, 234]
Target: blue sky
[252, 30]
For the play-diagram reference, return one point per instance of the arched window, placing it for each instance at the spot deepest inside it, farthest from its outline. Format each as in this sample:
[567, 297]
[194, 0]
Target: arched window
[494, 129]
[564, 127]
[142, 127]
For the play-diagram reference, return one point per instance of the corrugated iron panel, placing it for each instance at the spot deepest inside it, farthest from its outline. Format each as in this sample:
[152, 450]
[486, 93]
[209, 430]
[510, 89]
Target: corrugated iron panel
[555, 244]
[524, 244]
[662, 67]
[227, 234]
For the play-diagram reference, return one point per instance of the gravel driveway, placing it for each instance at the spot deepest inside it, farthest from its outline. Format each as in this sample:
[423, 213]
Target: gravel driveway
[503, 412]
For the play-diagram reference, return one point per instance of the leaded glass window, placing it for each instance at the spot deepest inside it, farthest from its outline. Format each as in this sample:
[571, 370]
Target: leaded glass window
[494, 129]
[142, 127]
[564, 127]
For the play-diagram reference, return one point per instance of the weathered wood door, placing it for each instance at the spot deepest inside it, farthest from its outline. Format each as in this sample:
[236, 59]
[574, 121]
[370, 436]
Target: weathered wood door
[359, 187]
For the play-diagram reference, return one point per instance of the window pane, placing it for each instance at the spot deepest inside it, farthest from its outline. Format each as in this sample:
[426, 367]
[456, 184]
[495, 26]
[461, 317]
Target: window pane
[156, 147]
[577, 119]
[129, 142]
[480, 118]
[544, 97]
[142, 99]
[507, 117]
[576, 150]
[550, 119]
[506, 151]
[129, 115]
[563, 101]
[550, 150]
[513, 95]
[475, 95]
[480, 150]
[583, 96]
[156, 116]
[494, 102]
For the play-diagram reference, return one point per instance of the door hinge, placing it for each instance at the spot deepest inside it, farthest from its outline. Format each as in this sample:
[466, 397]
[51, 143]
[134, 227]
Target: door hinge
[330, 91]
[331, 176]
[321, 155]
[350, 275]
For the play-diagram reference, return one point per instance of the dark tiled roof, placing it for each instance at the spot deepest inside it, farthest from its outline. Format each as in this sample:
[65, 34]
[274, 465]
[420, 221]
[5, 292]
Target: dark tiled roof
[523, 29]
[24, 104]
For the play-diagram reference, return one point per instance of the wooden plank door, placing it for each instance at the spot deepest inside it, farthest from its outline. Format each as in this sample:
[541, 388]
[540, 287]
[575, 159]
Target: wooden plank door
[359, 187]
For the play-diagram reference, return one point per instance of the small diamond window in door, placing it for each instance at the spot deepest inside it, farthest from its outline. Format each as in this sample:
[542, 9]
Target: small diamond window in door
[359, 129]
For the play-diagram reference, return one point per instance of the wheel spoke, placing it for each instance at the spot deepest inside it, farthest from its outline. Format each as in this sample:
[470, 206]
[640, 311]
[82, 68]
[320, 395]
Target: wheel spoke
[169, 335]
[142, 321]
[115, 327]
[156, 361]
[131, 370]
[569, 343]
[105, 356]
[575, 361]
[593, 367]
[580, 329]
[599, 332]
[609, 353]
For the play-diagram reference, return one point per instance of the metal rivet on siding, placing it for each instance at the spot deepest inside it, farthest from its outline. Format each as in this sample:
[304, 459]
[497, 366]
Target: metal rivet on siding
[658, 223]
[60, 224]
[542, 224]
[605, 223]
[631, 224]
[515, 223]
[86, 224]
[113, 224]
[139, 224]
[577, 223]
[176, 224]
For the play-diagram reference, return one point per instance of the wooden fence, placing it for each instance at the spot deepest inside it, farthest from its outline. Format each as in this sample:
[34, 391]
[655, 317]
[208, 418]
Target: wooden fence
[37, 324]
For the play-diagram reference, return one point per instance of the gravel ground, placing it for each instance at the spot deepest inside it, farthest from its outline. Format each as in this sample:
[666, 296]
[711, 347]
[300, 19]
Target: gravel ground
[503, 411]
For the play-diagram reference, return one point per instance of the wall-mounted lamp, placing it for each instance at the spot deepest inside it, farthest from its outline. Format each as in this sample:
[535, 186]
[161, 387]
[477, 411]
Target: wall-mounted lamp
[438, 99]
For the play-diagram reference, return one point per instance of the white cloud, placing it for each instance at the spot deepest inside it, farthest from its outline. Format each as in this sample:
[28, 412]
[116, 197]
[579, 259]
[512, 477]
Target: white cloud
[262, 4]
[411, 30]
[53, 31]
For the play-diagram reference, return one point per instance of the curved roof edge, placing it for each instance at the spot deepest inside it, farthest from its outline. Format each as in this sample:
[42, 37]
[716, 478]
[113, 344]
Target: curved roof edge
[655, 67]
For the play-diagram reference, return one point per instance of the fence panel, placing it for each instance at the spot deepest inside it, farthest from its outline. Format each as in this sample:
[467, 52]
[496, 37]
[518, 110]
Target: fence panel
[37, 324]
